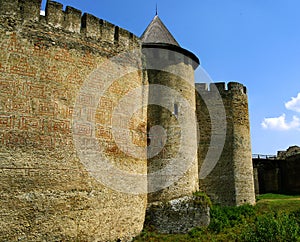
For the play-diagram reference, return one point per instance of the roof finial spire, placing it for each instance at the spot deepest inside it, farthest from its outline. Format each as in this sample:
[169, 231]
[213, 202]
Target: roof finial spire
[156, 13]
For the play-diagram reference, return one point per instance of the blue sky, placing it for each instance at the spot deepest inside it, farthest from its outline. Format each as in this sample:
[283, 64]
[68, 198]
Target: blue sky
[255, 42]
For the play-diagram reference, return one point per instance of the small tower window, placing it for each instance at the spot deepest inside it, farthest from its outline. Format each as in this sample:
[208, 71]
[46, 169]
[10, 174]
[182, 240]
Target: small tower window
[176, 109]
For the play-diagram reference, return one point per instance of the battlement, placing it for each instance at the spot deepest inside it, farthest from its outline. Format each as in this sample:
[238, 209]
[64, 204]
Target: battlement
[232, 87]
[27, 10]
[70, 20]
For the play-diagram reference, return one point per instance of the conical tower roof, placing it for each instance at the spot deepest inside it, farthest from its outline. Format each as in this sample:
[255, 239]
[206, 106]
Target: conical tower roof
[157, 32]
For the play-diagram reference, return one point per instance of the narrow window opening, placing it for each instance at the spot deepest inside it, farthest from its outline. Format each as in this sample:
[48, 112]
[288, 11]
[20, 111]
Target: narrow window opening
[116, 34]
[176, 109]
[148, 139]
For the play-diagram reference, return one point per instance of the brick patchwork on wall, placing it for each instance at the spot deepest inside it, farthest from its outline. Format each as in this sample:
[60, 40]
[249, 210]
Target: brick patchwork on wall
[46, 189]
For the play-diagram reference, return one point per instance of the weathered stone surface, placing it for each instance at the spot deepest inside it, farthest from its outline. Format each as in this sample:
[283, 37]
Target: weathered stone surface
[231, 180]
[178, 215]
[46, 192]
[63, 77]
[290, 152]
[171, 84]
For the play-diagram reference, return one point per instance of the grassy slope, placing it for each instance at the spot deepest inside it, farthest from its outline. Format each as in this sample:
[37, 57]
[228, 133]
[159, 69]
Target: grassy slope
[278, 215]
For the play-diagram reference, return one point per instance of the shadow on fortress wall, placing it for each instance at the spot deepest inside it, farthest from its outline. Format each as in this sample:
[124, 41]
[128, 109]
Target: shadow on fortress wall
[278, 174]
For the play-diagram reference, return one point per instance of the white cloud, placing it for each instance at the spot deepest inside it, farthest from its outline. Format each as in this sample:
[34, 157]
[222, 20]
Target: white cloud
[294, 104]
[42, 12]
[280, 123]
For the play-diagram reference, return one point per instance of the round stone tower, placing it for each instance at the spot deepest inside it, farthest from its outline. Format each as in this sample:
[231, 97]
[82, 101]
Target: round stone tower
[172, 133]
[230, 181]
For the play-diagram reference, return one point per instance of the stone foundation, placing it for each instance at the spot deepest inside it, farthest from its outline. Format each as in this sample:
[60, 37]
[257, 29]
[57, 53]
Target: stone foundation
[179, 215]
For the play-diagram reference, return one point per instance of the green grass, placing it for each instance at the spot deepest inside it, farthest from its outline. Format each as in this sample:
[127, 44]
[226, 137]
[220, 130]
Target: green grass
[274, 218]
[275, 202]
[276, 196]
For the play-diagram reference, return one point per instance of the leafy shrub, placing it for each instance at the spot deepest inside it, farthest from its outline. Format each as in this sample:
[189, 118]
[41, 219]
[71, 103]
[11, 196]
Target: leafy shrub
[226, 217]
[272, 227]
[196, 232]
[296, 214]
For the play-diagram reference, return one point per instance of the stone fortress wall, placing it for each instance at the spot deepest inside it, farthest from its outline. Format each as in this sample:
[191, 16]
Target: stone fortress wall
[46, 191]
[46, 194]
[278, 174]
[231, 180]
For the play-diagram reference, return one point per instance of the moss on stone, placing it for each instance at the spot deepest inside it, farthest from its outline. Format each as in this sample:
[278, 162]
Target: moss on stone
[201, 198]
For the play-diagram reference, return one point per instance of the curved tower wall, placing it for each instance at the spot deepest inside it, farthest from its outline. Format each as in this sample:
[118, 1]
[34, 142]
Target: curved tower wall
[46, 191]
[231, 180]
[171, 84]
[242, 153]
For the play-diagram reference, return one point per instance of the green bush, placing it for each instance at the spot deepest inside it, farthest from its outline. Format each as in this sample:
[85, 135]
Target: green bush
[226, 217]
[272, 227]
[196, 233]
[296, 214]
